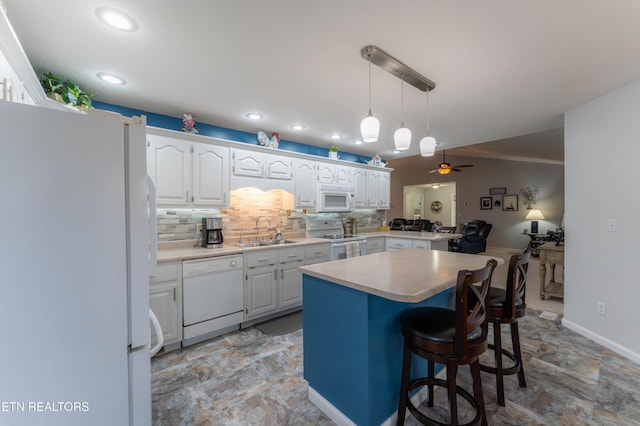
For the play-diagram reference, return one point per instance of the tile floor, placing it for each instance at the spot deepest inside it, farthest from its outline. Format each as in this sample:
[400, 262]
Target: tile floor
[248, 378]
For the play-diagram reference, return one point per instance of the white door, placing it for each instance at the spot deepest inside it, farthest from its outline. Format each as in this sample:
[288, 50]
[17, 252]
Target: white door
[360, 188]
[279, 167]
[248, 163]
[305, 182]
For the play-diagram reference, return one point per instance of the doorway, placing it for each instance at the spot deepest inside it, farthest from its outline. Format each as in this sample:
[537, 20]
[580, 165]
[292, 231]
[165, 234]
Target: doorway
[433, 201]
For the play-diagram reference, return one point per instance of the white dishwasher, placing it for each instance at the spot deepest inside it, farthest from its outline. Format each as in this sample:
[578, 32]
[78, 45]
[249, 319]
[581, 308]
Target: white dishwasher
[213, 297]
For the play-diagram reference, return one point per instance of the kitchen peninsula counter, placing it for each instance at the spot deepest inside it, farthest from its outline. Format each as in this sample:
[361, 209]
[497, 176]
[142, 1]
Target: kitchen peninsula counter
[352, 336]
[413, 235]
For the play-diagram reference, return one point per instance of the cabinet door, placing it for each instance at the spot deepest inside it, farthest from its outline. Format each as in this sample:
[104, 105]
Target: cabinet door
[326, 172]
[290, 285]
[210, 175]
[279, 167]
[375, 245]
[373, 189]
[169, 166]
[342, 175]
[261, 293]
[360, 188]
[384, 190]
[163, 302]
[248, 163]
[398, 243]
[423, 244]
[305, 183]
[318, 253]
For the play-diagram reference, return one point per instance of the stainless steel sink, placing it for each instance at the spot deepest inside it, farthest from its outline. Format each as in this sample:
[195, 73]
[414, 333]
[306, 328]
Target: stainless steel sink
[264, 243]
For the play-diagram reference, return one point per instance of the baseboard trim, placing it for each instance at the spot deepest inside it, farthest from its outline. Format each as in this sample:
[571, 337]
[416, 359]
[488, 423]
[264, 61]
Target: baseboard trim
[609, 344]
[342, 420]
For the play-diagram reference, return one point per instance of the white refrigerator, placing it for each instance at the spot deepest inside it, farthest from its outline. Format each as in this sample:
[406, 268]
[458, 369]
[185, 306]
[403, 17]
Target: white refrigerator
[75, 259]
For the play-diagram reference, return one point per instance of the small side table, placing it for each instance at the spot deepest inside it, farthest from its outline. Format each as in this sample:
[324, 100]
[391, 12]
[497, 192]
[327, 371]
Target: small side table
[553, 255]
[535, 241]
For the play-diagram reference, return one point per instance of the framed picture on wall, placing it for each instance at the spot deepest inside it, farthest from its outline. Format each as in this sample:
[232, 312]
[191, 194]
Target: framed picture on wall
[486, 203]
[497, 191]
[510, 203]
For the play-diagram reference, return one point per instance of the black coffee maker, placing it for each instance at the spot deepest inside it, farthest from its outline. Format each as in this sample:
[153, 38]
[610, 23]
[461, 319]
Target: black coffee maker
[212, 232]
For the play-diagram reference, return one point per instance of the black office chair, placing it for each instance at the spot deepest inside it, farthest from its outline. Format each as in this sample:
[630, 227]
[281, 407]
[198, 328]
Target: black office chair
[474, 239]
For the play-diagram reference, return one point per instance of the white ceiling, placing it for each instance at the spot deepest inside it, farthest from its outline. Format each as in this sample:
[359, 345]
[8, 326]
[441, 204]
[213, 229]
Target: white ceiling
[503, 68]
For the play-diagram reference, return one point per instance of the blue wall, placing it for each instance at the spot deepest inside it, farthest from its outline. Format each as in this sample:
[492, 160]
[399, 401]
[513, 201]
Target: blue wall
[174, 123]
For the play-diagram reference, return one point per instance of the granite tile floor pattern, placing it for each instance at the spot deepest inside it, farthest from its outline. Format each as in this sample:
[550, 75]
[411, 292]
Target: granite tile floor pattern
[248, 378]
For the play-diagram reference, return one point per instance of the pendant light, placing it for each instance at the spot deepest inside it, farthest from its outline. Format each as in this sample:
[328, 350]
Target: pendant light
[370, 126]
[402, 136]
[428, 143]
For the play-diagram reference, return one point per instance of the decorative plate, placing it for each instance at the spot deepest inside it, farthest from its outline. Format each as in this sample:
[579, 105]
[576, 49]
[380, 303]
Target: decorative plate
[436, 206]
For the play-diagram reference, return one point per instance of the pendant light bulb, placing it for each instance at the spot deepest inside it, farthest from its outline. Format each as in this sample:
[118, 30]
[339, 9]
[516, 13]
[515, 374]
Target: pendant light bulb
[370, 126]
[428, 146]
[428, 143]
[402, 136]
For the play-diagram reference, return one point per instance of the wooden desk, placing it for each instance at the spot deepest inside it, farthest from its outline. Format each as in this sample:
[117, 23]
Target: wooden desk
[553, 255]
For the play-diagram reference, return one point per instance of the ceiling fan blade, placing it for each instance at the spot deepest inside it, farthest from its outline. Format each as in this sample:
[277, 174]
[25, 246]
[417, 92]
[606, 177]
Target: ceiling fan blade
[455, 170]
[464, 165]
[434, 171]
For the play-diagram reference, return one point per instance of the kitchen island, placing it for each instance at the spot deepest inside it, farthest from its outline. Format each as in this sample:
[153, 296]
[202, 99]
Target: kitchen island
[352, 337]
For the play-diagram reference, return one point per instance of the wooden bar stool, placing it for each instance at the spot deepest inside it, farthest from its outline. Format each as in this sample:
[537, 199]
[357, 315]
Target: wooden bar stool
[505, 307]
[450, 337]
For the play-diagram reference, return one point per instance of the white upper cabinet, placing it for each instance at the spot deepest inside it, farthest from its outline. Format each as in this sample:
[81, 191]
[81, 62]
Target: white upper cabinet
[336, 174]
[169, 166]
[210, 175]
[305, 184]
[378, 184]
[260, 165]
[188, 174]
[359, 188]
[279, 167]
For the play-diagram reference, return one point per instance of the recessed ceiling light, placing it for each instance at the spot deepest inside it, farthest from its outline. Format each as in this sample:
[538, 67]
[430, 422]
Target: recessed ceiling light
[395, 151]
[116, 19]
[255, 116]
[335, 136]
[357, 142]
[435, 186]
[111, 79]
[298, 127]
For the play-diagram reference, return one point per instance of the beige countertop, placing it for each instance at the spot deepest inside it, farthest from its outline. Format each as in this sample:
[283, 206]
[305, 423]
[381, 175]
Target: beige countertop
[190, 253]
[187, 252]
[409, 275]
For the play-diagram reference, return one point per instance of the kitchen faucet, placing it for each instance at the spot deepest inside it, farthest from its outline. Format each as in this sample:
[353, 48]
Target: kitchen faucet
[258, 220]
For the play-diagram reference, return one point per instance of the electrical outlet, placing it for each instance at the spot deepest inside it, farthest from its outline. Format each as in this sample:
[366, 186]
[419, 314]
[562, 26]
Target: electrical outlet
[198, 228]
[612, 225]
[602, 309]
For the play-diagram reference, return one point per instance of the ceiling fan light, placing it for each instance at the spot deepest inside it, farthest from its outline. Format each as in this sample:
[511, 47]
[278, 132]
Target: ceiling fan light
[370, 128]
[427, 146]
[402, 138]
[444, 171]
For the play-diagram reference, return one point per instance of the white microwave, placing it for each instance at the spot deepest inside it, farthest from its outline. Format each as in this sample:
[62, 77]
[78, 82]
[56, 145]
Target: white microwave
[333, 198]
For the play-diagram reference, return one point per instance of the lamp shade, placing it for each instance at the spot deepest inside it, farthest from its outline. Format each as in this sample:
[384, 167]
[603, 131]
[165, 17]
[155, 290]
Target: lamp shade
[535, 214]
[402, 138]
[427, 146]
[370, 128]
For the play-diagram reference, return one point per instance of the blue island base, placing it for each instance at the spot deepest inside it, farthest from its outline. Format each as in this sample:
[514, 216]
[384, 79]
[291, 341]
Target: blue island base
[353, 345]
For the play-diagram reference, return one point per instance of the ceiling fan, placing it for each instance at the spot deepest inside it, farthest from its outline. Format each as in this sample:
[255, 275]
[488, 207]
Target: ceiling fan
[445, 168]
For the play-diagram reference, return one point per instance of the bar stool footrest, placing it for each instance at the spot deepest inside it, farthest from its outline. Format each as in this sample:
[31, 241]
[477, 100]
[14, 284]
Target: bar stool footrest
[514, 369]
[425, 381]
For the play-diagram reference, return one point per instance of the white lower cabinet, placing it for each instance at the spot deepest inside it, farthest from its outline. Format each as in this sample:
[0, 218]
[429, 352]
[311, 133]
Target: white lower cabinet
[272, 281]
[397, 244]
[165, 299]
[375, 245]
[317, 253]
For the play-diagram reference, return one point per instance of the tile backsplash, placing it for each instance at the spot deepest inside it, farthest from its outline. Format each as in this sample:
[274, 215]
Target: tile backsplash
[247, 205]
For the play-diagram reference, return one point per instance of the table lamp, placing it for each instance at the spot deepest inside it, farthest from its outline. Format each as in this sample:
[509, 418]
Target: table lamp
[534, 215]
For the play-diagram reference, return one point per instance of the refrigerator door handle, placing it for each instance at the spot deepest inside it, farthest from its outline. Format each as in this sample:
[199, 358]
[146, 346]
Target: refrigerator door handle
[159, 334]
[153, 225]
